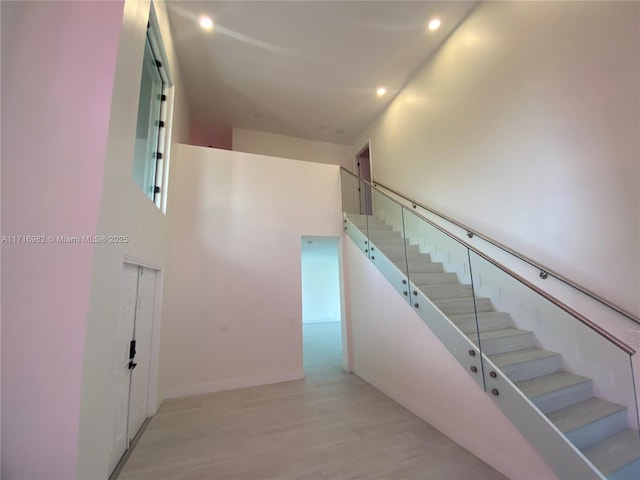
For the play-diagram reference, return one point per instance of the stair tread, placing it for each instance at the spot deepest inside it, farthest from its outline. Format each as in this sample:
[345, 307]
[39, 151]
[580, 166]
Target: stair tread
[445, 301]
[485, 321]
[614, 452]
[396, 242]
[521, 356]
[377, 233]
[444, 285]
[431, 267]
[502, 333]
[467, 316]
[469, 326]
[579, 414]
[424, 278]
[421, 277]
[397, 247]
[373, 226]
[413, 256]
[553, 382]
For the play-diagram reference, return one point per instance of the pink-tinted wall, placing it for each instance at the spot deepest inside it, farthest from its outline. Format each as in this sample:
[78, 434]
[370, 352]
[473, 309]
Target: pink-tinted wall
[58, 62]
[211, 136]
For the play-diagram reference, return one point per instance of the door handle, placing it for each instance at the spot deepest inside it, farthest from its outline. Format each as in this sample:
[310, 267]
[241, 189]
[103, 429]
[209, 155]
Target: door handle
[132, 365]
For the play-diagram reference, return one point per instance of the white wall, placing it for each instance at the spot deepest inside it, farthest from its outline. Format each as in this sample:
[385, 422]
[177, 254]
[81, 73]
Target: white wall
[524, 126]
[58, 60]
[396, 352]
[233, 313]
[320, 280]
[271, 144]
[125, 210]
[205, 135]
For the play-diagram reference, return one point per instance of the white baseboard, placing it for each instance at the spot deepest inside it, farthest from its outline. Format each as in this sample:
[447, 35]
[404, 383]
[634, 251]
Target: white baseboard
[232, 384]
[321, 320]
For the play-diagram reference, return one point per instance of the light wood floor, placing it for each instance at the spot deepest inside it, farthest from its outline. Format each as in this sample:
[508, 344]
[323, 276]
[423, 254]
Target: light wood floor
[332, 425]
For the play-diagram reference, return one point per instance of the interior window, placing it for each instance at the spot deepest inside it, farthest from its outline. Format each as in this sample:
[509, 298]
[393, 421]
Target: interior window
[147, 149]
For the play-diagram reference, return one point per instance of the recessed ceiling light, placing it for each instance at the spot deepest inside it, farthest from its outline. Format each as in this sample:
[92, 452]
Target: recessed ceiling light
[381, 91]
[206, 23]
[434, 24]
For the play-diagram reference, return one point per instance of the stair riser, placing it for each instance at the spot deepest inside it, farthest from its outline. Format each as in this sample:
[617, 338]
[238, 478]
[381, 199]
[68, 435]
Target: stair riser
[466, 306]
[422, 267]
[382, 230]
[448, 292]
[493, 346]
[532, 369]
[362, 220]
[468, 325]
[398, 251]
[564, 397]
[414, 258]
[372, 226]
[422, 278]
[396, 243]
[599, 430]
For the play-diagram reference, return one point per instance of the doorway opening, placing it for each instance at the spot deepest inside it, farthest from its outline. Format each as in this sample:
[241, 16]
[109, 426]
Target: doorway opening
[321, 304]
[363, 167]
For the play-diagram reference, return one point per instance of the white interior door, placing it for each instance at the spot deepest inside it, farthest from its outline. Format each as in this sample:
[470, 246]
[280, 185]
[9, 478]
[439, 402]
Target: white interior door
[138, 406]
[120, 374]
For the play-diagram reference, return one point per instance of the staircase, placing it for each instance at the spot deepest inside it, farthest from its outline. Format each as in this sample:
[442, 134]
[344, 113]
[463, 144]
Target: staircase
[598, 428]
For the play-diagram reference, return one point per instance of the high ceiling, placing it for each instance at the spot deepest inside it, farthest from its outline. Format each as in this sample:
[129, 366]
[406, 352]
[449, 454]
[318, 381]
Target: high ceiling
[308, 69]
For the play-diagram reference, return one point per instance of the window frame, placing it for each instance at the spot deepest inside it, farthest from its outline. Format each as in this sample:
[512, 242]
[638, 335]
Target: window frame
[163, 148]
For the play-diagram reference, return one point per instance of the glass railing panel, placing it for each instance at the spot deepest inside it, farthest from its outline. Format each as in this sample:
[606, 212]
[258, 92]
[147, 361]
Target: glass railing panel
[580, 377]
[355, 223]
[441, 289]
[350, 196]
[565, 383]
[387, 246]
